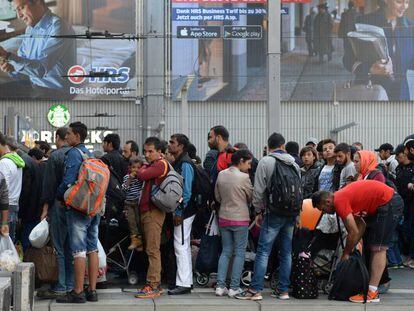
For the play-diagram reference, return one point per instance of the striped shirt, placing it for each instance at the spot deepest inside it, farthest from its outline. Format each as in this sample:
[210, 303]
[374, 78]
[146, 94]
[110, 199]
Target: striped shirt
[133, 189]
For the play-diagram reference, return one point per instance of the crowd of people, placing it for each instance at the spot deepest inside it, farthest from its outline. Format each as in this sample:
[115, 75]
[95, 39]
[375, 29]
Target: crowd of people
[372, 193]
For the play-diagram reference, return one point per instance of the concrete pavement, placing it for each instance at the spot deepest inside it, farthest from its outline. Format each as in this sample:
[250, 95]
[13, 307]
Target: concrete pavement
[400, 298]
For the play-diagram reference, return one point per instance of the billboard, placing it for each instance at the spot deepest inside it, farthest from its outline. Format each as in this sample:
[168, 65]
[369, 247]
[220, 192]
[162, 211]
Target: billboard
[220, 45]
[68, 50]
[339, 51]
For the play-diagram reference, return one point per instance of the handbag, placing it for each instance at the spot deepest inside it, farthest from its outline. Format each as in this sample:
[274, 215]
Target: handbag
[45, 261]
[360, 92]
[210, 247]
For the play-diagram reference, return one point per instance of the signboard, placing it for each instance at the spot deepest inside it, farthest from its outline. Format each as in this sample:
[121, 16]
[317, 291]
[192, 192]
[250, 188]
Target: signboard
[71, 67]
[58, 115]
[332, 58]
[231, 66]
[191, 32]
[243, 32]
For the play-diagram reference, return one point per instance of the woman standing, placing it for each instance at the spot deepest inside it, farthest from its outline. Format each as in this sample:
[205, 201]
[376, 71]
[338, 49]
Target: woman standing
[234, 192]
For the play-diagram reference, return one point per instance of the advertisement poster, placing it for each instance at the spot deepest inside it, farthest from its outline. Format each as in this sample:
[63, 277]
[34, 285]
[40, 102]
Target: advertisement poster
[348, 51]
[51, 57]
[220, 45]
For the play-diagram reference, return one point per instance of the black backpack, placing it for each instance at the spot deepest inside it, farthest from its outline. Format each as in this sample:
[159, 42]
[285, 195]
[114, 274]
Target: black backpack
[285, 193]
[202, 192]
[351, 276]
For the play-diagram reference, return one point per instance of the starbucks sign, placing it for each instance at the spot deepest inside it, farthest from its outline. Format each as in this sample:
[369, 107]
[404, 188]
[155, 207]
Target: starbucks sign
[58, 115]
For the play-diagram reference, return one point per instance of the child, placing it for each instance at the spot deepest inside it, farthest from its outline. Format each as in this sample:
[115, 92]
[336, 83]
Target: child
[132, 187]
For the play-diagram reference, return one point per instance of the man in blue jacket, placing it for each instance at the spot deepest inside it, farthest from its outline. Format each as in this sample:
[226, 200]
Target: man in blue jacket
[183, 216]
[83, 230]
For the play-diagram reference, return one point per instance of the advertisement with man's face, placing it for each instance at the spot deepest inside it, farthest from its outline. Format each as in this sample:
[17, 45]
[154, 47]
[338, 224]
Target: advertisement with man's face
[219, 49]
[77, 49]
[341, 50]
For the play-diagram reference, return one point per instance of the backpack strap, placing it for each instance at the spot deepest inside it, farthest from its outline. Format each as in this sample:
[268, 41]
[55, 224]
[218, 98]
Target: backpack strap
[340, 232]
[83, 154]
[372, 174]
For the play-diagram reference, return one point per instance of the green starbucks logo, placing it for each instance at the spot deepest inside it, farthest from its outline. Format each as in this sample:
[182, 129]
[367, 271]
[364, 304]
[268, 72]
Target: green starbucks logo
[58, 115]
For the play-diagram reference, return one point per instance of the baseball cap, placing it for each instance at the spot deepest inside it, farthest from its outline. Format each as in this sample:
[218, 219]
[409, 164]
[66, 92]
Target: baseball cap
[312, 140]
[409, 139]
[385, 147]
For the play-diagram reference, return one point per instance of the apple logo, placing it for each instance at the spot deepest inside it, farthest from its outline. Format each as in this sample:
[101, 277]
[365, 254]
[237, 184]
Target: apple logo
[184, 32]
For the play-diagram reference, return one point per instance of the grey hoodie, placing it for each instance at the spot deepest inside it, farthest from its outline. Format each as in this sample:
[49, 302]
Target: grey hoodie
[263, 176]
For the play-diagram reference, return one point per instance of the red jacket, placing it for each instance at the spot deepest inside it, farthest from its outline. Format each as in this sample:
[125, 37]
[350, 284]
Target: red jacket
[151, 174]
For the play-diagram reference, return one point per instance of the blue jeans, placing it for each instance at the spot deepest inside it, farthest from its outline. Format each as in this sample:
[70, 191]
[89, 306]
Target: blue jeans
[13, 217]
[272, 227]
[234, 240]
[60, 239]
[393, 252]
[83, 232]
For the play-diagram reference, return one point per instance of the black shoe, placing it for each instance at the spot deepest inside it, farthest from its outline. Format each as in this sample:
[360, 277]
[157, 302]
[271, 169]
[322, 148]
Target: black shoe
[47, 294]
[179, 290]
[91, 295]
[72, 297]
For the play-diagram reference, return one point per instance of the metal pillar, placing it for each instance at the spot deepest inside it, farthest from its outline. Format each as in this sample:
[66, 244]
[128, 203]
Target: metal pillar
[154, 66]
[273, 68]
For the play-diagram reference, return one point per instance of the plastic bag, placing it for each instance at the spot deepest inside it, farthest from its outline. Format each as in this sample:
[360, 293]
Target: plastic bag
[39, 236]
[102, 265]
[9, 258]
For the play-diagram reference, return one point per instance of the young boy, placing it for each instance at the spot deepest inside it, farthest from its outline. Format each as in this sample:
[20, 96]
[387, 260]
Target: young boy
[132, 187]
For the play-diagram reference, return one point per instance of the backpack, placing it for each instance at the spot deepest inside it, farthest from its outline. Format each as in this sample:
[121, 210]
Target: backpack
[202, 191]
[169, 194]
[351, 276]
[88, 193]
[304, 281]
[114, 191]
[285, 193]
[388, 181]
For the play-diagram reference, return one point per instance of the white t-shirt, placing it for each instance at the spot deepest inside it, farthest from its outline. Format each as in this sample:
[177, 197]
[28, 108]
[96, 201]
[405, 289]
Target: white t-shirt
[14, 178]
[325, 178]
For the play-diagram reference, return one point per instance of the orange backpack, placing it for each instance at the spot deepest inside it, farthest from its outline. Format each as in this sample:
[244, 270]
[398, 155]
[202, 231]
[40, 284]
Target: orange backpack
[88, 193]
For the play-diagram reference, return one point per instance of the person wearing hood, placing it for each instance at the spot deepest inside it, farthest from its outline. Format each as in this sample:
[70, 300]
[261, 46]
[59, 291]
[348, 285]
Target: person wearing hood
[366, 164]
[11, 165]
[273, 225]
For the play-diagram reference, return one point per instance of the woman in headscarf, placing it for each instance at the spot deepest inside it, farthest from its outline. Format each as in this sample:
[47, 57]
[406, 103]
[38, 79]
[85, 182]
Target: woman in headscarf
[366, 165]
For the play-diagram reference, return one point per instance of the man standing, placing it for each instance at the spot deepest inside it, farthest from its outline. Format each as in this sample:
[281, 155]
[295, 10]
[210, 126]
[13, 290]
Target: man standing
[83, 230]
[386, 153]
[308, 29]
[152, 219]
[322, 36]
[275, 223]
[39, 64]
[11, 166]
[56, 212]
[118, 168]
[343, 158]
[370, 210]
[326, 176]
[347, 24]
[184, 215]
[130, 150]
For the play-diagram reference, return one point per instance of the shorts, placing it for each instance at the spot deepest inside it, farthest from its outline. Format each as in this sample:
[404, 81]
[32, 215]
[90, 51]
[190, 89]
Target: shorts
[83, 232]
[381, 226]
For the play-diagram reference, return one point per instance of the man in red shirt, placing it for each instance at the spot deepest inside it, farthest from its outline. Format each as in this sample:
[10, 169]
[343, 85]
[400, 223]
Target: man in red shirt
[370, 210]
[152, 219]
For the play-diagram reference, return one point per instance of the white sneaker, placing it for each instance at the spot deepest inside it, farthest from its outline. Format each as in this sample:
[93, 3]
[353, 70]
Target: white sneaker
[221, 291]
[234, 292]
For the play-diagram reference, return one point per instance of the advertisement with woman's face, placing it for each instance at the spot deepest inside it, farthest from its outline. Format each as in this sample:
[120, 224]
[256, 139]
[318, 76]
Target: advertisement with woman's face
[349, 51]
